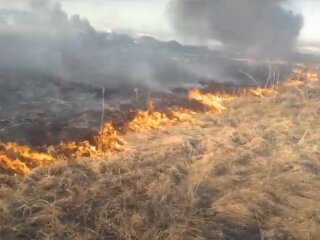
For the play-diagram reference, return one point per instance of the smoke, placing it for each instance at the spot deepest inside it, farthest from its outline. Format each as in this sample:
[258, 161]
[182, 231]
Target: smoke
[260, 27]
[44, 39]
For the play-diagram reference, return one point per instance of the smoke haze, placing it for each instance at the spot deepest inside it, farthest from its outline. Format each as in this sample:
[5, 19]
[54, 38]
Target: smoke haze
[45, 39]
[260, 27]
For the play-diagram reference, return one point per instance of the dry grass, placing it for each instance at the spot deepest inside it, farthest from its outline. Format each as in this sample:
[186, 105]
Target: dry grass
[250, 173]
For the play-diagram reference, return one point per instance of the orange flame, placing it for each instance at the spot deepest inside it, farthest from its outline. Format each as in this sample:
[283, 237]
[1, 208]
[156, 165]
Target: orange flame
[21, 159]
[74, 150]
[106, 141]
[212, 102]
[183, 115]
[157, 120]
[305, 74]
[293, 83]
[260, 92]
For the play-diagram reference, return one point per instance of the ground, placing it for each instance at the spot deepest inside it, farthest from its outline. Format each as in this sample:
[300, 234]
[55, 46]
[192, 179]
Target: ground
[249, 173]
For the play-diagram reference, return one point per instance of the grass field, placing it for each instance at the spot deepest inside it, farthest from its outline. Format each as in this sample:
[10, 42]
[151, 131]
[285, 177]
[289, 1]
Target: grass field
[249, 173]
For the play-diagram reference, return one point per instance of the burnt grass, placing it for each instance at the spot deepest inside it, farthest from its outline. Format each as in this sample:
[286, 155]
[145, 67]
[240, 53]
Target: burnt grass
[250, 173]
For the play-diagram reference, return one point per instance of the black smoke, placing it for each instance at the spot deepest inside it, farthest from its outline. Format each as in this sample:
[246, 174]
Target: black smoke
[260, 27]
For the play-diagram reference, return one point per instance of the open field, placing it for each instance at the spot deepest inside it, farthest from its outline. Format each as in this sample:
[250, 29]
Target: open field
[249, 173]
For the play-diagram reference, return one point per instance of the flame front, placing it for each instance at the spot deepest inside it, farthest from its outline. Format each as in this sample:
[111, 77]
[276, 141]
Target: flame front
[260, 92]
[149, 120]
[74, 150]
[21, 159]
[106, 141]
[293, 83]
[210, 101]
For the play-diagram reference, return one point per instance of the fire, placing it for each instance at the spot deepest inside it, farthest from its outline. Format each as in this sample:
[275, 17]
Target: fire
[312, 76]
[21, 159]
[183, 115]
[74, 150]
[293, 83]
[305, 74]
[210, 101]
[13, 166]
[260, 92]
[106, 141]
[147, 120]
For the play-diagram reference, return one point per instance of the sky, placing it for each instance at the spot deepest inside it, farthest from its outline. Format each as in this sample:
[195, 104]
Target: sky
[128, 16]
[310, 9]
[149, 17]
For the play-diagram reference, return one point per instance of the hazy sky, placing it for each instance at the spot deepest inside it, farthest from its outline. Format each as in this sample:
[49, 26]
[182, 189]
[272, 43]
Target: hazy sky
[134, 16]
[150, 16]
[311, 12]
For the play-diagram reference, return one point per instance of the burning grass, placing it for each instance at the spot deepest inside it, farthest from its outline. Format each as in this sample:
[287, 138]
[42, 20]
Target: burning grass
[17, 159]
[108, 139]
[260, 92]
[251, 172]
[155, 120]
[213, 102]
[21, 160]
[294, 83]
[106, 142]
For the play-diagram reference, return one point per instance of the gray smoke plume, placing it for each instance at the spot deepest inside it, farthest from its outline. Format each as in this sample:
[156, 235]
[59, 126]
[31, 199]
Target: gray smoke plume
[262, 27]
[46, 40]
